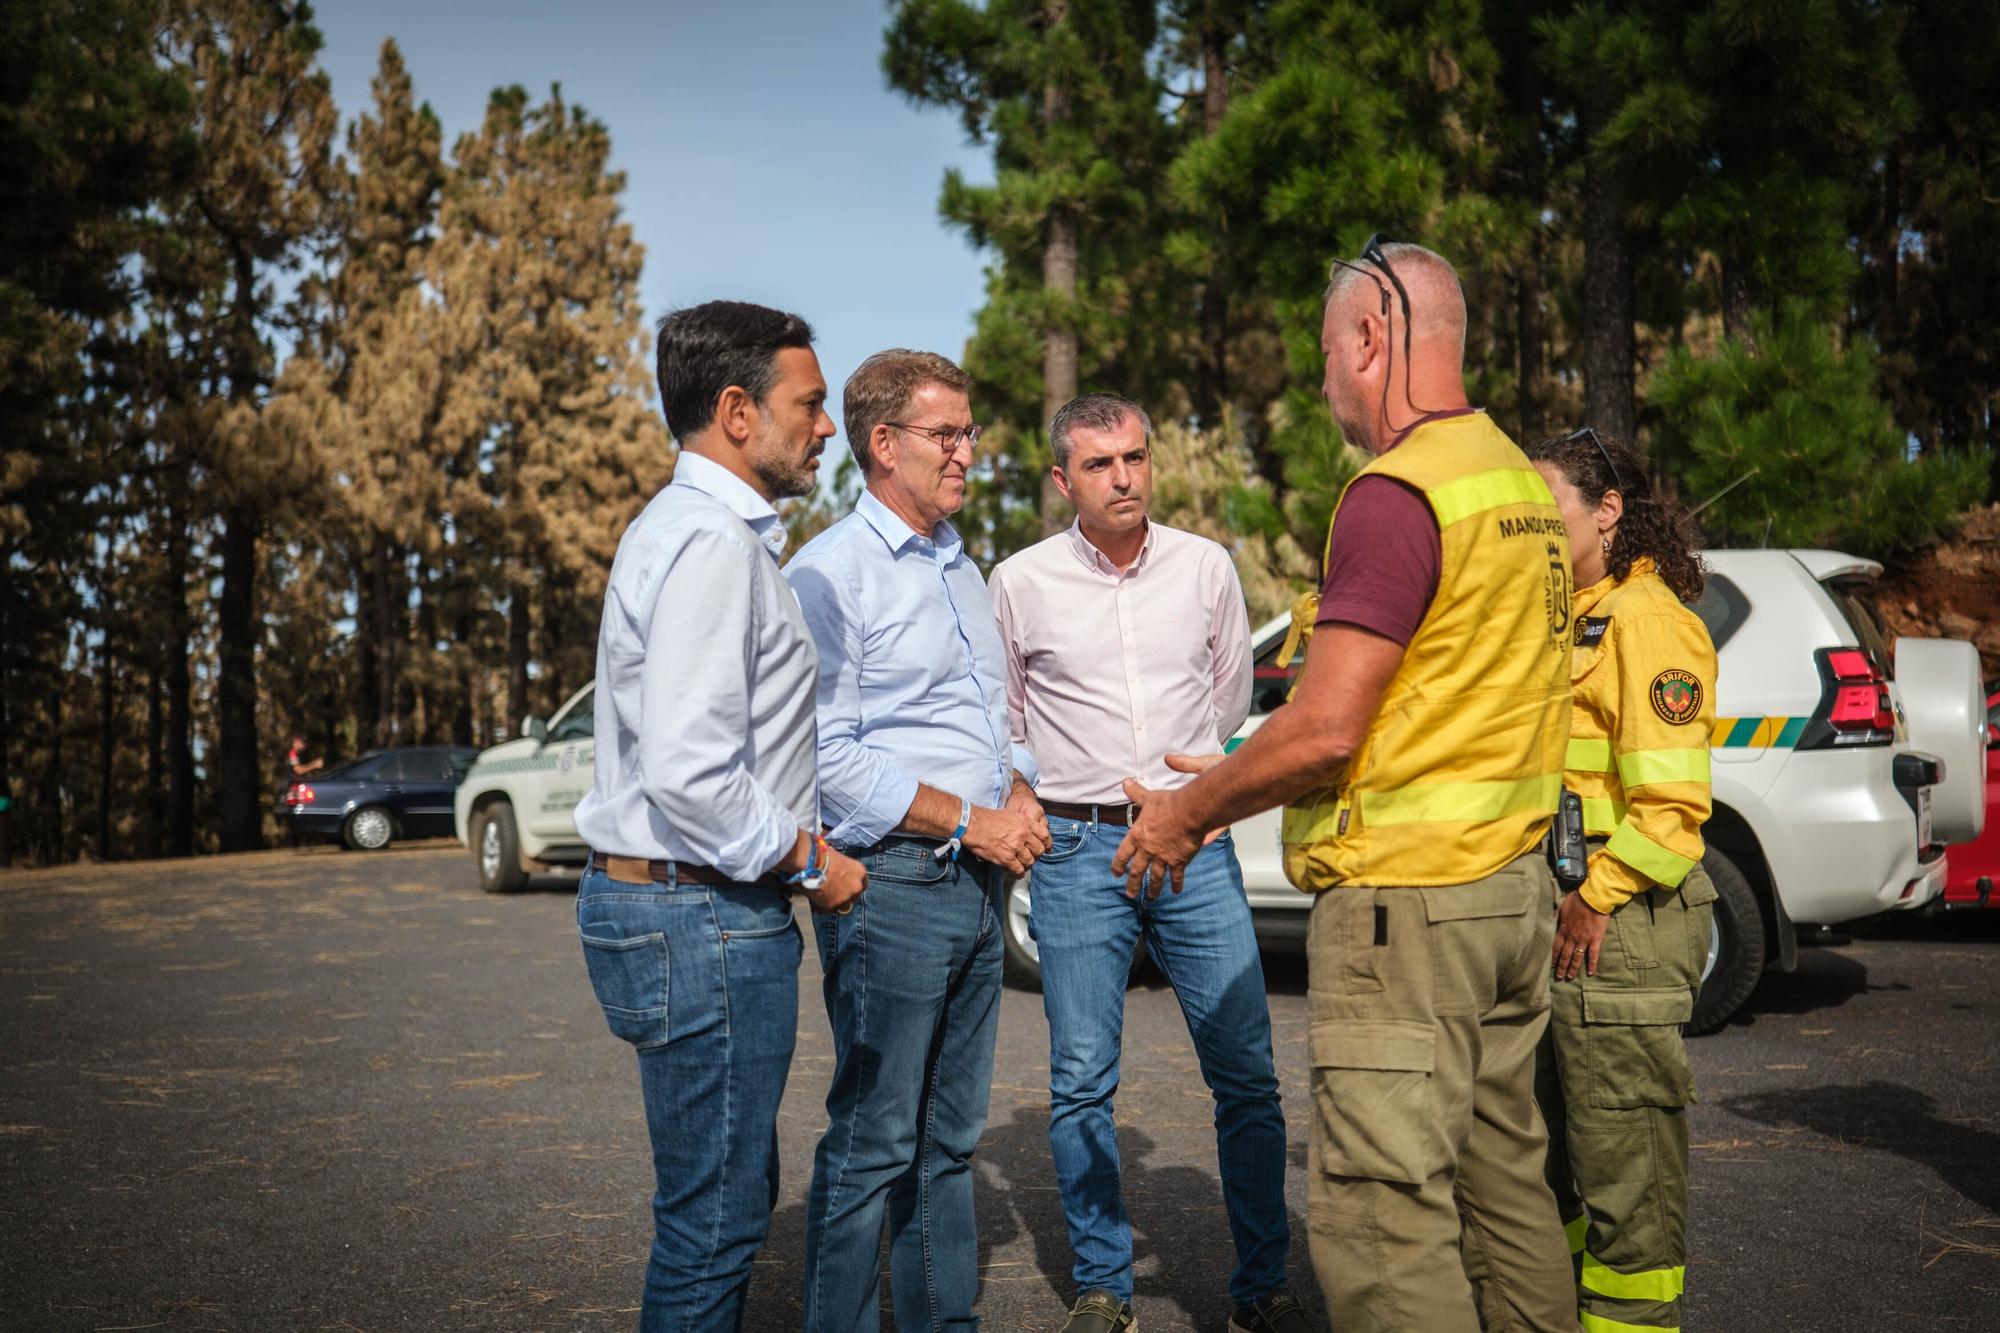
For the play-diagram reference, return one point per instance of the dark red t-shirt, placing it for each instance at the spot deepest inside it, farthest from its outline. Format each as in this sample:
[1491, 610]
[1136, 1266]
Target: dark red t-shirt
[1382, 567]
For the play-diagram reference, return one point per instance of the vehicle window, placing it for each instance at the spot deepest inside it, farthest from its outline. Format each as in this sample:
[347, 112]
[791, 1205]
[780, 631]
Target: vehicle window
[1860, 616]
[576, 724]
[389, 768]
[426, 766]
[461, 762]
[1722, 607]
[355, 770]
[1270, 684]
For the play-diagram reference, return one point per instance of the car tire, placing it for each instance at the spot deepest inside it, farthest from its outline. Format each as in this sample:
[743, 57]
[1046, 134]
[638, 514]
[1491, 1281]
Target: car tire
[369, 829]
[1021, 959]
[1736, 951]
[496, 847]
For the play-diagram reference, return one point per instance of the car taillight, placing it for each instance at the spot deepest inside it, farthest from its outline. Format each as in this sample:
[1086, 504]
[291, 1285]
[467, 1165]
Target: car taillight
[1855, 707]
[298, 794]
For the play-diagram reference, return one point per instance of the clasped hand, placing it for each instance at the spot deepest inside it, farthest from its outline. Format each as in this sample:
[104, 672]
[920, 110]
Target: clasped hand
[1161, 842]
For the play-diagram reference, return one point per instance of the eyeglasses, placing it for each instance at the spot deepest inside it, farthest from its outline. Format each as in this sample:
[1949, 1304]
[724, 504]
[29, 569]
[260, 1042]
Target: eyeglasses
[1371, 253]
[1585, 432]
[947, 438]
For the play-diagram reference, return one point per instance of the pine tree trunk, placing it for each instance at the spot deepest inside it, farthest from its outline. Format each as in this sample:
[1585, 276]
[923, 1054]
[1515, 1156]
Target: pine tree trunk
[51, 793]
[1212, 389]
[382, 725]
[1737, 302]
[517, 661]
[156, 768]
[8, 719]
[1528, 337]
[106, 746]
[367, 649]
[1059, 259]
[1609, 380]
[1528, 334]
[236, 684]
[180, 713]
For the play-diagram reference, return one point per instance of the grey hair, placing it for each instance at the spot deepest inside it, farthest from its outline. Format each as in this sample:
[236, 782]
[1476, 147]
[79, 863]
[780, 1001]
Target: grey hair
[1093, 411]
[1437, 299]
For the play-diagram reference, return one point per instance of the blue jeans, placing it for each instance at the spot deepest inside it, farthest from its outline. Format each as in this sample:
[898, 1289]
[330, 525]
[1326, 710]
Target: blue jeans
[913, 995]
[1202, 939]
[704, 983]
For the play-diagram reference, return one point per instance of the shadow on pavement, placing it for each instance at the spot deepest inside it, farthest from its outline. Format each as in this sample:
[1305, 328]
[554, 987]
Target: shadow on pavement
[1825, 979]
[1894, 1119]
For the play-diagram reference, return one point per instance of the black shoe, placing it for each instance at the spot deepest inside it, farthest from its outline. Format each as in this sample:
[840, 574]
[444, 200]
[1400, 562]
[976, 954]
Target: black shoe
[1098, 1311]
[1273, 1312]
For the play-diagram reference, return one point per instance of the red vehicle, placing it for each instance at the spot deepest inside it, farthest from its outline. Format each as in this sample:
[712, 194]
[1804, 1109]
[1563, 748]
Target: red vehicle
[1973, 866]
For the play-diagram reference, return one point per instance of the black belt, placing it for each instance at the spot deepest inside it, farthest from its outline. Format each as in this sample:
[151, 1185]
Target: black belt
[1121, 814]
[681, 872]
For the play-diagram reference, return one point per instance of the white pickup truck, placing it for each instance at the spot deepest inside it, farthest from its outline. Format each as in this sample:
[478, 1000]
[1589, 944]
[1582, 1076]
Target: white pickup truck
[1840, 773]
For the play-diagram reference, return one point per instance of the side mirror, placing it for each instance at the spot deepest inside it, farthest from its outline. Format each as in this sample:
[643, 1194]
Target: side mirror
[534, 729]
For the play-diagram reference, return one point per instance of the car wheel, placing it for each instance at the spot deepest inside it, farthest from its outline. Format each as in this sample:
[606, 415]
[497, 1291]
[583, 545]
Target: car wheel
[1735, 946]
[1022, 958]
[497, 846]
[369, 829]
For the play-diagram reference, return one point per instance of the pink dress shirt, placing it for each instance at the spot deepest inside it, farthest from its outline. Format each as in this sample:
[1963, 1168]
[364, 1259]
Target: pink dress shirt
[1108, 672]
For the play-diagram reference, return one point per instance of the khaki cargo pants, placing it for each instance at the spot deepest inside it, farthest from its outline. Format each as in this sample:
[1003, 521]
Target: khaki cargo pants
[1613, 1082]
[1426, 1007]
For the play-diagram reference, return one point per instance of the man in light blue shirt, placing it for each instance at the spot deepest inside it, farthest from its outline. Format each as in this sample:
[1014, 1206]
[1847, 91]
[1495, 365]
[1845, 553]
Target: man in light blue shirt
[918, 779]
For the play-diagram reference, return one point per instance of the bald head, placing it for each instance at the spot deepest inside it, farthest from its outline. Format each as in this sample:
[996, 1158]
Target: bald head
[1377, 384]
[1437, 302]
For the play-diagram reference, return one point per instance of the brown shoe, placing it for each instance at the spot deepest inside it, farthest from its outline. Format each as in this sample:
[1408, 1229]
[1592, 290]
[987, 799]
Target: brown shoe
[1098, 1311]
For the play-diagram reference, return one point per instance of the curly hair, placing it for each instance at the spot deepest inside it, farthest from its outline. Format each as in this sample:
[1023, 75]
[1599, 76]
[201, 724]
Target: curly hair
[1653, 525]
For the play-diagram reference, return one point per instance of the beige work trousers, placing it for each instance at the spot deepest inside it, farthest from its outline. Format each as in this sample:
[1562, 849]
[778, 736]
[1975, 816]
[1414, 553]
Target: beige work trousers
[1426, 1170]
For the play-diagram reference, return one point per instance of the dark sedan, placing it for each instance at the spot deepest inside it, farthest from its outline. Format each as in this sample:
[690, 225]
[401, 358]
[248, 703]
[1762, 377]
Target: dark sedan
[378, 798]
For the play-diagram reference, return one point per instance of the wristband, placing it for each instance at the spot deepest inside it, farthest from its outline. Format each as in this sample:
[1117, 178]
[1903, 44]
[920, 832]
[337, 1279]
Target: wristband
[957, 838]
[818, 855]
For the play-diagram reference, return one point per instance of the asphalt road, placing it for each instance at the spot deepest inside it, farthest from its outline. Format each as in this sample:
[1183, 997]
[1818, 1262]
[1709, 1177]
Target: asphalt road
[304, 1090]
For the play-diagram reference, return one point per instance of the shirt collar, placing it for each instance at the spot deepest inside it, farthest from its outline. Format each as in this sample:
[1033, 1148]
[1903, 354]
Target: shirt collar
[1095, 559]
[737, 495]
[897, 534]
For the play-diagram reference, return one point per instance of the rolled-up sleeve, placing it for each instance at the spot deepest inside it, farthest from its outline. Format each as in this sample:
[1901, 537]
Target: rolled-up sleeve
[1229, 644]
[859, 787]
[693, 738]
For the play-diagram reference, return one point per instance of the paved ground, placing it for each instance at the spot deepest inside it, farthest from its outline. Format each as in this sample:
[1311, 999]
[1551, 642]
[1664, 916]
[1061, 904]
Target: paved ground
[321, 1090]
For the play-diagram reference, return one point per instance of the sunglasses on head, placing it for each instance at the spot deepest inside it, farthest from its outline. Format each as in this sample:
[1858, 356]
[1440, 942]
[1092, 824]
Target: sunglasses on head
[1371, 253]
[1585, 432]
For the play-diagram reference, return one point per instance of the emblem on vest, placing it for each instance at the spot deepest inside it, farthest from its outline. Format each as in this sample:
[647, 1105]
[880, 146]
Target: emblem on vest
[1676, 696]
[1590, 630]
[1555, 595]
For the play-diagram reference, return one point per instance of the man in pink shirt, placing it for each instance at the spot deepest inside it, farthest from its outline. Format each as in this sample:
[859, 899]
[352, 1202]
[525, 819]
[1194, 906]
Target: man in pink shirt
[1128, 641]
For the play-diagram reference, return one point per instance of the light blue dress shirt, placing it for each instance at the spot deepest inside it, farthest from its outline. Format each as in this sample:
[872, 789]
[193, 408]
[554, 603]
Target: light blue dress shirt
[912, 675]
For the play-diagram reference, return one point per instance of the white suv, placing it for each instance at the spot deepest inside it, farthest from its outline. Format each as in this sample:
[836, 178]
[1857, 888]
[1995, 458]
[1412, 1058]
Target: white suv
[1839, 775]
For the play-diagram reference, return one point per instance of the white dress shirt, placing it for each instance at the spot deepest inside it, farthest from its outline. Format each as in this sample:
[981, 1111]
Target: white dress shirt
[1110, 671]
[705, 674]
[912, 681]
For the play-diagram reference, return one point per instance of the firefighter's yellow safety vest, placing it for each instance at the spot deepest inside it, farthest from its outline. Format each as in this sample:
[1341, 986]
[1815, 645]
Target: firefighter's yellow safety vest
[1462, 766]
[1644, 683]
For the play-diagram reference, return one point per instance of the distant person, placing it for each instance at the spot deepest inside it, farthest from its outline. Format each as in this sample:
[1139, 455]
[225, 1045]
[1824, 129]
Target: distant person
[303, 759]
[918, 779]
[1422, 757]
[1630, 943]
[704, 814]
[1126, 641]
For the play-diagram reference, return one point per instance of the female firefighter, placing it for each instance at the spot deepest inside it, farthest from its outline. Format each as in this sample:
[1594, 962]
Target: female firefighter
[1631, 941]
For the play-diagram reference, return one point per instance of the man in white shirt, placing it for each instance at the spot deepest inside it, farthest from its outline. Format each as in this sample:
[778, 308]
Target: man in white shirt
[704, 816]
[1128, 646]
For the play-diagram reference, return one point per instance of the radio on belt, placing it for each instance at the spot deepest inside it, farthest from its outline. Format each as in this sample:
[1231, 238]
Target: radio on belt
[1568, 856]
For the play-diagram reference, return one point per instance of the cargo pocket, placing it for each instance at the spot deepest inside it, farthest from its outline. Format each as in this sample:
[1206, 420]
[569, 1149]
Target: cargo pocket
[1632, 1047]
[1372, 1093]
[630, 978]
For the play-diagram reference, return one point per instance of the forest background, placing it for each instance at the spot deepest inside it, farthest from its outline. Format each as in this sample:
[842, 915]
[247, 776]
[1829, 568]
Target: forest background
[318, 426]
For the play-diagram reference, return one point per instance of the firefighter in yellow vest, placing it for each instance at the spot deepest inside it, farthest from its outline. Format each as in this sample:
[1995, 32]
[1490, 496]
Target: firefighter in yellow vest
[1630, 942]
[1422, 755]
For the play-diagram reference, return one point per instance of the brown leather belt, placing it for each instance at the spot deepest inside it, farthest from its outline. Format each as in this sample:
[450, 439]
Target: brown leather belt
[1120, 814]
[638, 870]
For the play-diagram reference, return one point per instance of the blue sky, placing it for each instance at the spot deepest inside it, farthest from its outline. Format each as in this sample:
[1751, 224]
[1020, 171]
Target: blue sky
[766, 159]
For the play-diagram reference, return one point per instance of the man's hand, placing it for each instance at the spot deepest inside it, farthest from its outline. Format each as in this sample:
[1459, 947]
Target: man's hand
[845, 880]
[1197, 763]
[1023, 801]
[1579, 935]
[1007, 838]
[1158, 846]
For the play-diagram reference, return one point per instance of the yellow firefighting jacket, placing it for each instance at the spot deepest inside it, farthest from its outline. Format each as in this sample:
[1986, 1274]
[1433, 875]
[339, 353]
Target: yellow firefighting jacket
[1644, 680]
[1462, 765]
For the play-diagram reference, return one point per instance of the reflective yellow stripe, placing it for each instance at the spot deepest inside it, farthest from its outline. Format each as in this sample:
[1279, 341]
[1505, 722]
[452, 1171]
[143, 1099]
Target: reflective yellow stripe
[1657, 1284]
[1588, 756]
[1643, 766]
[1461, 499]
[1602, 815]
[1647, 857]
[1461, 802]
[1597, 1323]
[1576, 1229]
